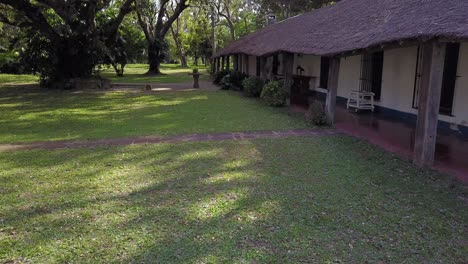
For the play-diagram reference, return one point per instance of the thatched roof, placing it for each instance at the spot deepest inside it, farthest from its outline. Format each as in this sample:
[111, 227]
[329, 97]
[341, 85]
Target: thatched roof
[358, 24]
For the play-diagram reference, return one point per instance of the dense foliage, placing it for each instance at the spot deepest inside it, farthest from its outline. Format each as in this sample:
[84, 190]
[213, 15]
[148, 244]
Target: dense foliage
[233, 81]
[253, 86]
[63, 40]
[316, 114]
[274, 94]
[66, 40]
[218, 77]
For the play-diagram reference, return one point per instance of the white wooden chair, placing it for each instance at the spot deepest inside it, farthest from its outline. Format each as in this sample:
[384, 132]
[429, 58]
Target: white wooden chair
[361, 100]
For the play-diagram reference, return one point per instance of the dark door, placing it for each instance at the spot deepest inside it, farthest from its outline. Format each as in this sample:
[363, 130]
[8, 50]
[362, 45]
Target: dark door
[275, 64]
[450, 78]
[258, 67]
[324, 68]
[377, 71]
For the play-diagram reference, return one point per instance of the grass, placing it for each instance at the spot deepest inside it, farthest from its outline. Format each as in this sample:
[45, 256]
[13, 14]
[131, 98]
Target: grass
[134, 73]
[172, 73]
[296, 200]
[38, 115]
[13, 79]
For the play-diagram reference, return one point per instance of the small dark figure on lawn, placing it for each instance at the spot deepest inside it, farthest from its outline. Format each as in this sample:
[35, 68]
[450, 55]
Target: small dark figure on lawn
[196, 77]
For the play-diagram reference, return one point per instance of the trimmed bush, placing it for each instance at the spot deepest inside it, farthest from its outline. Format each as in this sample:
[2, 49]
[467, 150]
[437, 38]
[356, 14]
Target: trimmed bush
[316, 114]
[218, 77]
[233, 81]
[274, 94]
[253, 86]
[10, 62]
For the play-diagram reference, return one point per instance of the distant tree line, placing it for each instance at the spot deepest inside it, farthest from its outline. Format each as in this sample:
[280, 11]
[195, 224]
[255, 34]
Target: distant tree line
[67, 39]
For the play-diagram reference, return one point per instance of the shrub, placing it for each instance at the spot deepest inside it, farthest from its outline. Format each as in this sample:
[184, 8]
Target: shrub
[274, 94]
[233, 81]
[316, 114]
[10, 62]
[218, 77]
[253, 86]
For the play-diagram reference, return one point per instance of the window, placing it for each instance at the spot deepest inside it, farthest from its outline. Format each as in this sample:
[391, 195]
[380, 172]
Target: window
[371, 73]
[448, 81]
[450, 78]
[324, 69]
[276, 64]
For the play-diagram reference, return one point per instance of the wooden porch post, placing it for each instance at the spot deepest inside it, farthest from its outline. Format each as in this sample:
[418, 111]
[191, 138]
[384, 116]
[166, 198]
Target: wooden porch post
[228, 62]
[333, 75]
[288, 65]
[263, 69]
[235, 61]
[429, 102]
[217, 64]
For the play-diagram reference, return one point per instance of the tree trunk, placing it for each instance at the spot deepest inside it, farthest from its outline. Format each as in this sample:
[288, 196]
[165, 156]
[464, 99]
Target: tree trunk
[232, 30]
[183, 58]
[213, 32]
[71, 63]
[154, 57]
[180, 49]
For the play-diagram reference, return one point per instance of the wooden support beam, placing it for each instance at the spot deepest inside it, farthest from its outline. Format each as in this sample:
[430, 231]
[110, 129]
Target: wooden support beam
[330, 104]
[288, 65]
[429, 102]
[217, 64]
[263, 68]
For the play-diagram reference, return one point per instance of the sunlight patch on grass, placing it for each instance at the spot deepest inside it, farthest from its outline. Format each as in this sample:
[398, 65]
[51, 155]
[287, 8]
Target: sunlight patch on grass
[16, 79]
[171, 73]
[290, 200]
[219, 205]
[192, 155]
[46, 116]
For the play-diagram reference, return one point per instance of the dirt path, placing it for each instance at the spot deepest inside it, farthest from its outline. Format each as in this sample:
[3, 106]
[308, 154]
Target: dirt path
[51, 145]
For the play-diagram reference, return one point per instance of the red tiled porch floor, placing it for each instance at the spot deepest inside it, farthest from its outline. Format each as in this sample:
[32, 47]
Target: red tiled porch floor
[398, 137]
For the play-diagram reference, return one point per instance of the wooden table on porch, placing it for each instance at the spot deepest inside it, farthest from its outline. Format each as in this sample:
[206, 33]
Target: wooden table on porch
[300, 90]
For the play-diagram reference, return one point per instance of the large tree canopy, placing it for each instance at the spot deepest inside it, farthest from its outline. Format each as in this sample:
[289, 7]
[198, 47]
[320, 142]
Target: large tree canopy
[287, 8]
[155, 18]
[66, 39]
[72, 36]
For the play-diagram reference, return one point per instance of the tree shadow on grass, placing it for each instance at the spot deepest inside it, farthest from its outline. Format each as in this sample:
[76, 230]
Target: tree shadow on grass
[283, 200]
[43, 116]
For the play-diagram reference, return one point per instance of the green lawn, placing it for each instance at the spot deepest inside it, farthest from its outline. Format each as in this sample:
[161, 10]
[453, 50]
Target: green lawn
[172, 73]
[296, 200]
[38, 115]
[134, 73]
[14, 79]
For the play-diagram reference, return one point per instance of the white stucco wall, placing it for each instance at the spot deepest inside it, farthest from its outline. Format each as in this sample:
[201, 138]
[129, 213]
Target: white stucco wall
[242, 66]
[348, 79]
[398, 82]
[398, 79]
[252, 66]
[460, 104]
